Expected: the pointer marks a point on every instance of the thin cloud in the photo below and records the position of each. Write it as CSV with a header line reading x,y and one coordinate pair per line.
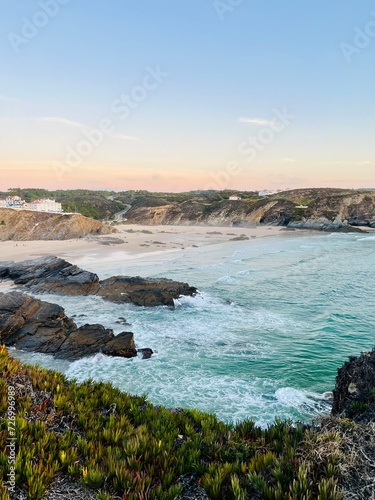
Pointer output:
x,y
289,160
82,126
62,121
366,162
263,122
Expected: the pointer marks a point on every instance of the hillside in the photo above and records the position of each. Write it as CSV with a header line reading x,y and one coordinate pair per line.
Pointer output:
x,y
326,209
27,225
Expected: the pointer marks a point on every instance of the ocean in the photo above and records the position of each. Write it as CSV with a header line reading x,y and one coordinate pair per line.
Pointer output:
x,y
274,320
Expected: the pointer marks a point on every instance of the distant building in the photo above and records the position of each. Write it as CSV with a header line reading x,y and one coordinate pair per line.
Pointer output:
x,y
234,197
45,206
14,202
266,192
3,203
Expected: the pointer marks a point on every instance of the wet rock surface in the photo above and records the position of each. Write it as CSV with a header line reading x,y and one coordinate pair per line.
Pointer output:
x,y
54,275
33,325
145,353
323,224
143,292
50,274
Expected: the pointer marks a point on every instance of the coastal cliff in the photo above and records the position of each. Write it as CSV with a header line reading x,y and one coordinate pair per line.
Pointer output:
x,y
25,225
326,209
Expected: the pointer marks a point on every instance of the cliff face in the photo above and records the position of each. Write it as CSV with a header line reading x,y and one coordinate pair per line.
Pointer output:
x,y
27,225
326,209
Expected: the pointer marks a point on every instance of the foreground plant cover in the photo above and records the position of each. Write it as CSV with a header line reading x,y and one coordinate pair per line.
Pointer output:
x,y
116,446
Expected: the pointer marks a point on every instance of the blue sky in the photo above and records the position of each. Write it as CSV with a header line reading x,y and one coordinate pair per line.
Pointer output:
x,y
230,68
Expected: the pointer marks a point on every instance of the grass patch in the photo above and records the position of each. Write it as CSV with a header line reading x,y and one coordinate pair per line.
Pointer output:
x,y
122,446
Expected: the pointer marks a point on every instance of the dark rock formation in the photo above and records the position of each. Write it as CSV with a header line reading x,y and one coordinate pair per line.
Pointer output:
x,y
143,292
242,237
85,341
121,345
51,274
354,394
34,325
323,224
145,353
362,222
54,275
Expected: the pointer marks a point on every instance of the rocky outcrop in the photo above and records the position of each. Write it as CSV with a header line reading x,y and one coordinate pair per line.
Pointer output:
x,y
323,224
143,292
33,325
354,393
25,225
55,275
50,274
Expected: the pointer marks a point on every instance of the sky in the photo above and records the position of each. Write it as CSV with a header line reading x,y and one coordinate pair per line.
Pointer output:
x,y
171,95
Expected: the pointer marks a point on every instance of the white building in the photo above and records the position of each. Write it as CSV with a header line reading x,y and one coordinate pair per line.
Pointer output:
x,y
3,203
14,202
234,197
45,206
266,192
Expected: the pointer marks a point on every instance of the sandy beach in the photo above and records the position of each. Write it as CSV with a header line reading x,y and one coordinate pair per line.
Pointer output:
x,y
132,241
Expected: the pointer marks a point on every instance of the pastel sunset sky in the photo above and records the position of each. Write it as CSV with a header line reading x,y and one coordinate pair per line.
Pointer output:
x,y
171,95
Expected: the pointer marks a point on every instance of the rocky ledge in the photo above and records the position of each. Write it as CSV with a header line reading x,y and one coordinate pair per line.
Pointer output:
x,y
33,325
323,224
354,393
54,275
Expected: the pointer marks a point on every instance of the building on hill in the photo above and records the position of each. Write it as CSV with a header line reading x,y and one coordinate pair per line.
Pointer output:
x,y
45,206
234,197
268,192
14,202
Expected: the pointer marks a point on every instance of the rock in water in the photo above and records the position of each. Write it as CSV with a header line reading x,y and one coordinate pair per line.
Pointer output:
x,y
143,291
121,345
54,275
33,325
51,274
354,394
145,353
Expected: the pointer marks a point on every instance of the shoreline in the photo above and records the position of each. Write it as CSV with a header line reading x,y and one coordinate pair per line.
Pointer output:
x,y
132,241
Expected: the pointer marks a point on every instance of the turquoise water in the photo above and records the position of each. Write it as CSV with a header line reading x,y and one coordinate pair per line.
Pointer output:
x,y
274,320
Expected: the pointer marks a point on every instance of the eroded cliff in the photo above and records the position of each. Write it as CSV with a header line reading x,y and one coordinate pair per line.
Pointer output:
x,y
25,225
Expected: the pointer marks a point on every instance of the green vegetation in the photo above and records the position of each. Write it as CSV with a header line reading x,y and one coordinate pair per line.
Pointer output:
x,y
359,407
198,205
119,444
102,205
